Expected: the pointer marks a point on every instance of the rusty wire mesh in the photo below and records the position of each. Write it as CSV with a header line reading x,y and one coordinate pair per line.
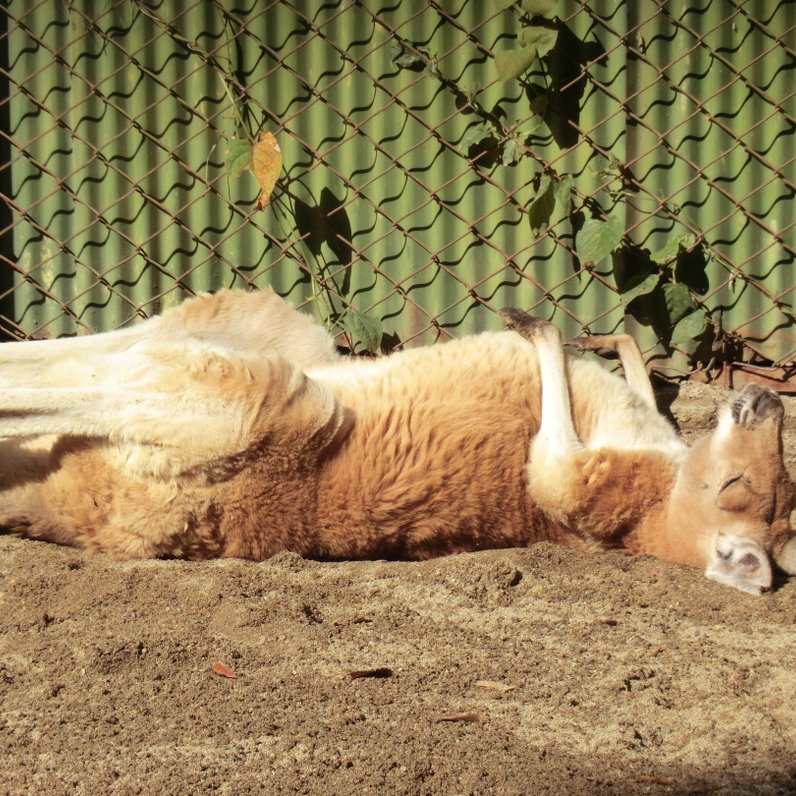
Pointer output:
x,y
419,191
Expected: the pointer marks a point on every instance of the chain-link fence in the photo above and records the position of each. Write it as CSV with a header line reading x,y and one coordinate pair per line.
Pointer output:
x,y
608,165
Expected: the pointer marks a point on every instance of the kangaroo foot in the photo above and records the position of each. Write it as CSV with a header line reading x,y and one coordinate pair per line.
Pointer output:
x,y
604,345
526,325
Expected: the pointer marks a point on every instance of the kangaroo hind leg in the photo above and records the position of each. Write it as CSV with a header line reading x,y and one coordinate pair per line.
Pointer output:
x,y
180,410
232,323
141,467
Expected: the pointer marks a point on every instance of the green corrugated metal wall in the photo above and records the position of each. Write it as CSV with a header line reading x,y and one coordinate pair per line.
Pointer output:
x,y
117,114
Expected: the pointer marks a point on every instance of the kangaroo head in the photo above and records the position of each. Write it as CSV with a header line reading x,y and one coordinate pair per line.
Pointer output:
x,y
736,496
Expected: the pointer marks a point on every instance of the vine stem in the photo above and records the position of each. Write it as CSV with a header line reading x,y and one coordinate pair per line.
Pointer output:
x,y
241,122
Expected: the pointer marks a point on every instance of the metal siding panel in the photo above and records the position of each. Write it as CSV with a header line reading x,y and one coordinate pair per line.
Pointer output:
x,y
713,128
148,209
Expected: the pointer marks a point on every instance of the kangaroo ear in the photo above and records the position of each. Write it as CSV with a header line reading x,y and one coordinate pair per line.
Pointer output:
x,y
785,559
741,563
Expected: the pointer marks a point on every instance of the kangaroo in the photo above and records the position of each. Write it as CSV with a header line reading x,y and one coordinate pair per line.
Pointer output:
x,y
229,426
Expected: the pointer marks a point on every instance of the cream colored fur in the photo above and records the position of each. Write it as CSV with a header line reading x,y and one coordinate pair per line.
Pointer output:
x,y
230,427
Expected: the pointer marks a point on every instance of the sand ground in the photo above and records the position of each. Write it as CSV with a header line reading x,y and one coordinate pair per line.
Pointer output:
x,y
505,672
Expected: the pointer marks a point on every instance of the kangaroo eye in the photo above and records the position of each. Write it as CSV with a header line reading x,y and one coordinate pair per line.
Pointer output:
x,y
729,482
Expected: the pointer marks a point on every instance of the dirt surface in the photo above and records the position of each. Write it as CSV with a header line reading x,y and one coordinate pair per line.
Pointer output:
x,y
508,672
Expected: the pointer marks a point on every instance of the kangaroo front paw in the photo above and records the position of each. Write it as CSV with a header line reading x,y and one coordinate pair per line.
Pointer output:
x,y
595,470
755,403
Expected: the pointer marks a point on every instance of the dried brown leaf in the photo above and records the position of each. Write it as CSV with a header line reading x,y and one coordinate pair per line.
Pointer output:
x,y
471,718
266,165
223,671
378,673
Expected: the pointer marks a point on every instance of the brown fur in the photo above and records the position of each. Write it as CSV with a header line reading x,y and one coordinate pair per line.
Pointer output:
x,y
227,427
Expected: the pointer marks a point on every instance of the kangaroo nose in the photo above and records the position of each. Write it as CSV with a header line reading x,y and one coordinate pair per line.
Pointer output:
x,y
741,563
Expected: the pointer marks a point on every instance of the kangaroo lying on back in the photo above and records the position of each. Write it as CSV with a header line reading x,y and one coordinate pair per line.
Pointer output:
x,y
230,427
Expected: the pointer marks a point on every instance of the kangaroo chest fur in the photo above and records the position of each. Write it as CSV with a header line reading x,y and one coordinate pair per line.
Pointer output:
x,y
435,457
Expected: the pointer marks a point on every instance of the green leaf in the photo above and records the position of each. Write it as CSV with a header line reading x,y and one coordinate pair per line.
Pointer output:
x,y
542,206
563,191
598,239
475,134
673,247
364,330
513,150
502,5
689,327
544,39
538,7
511,64
640,288
678,300
537,41
238,156
406,59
